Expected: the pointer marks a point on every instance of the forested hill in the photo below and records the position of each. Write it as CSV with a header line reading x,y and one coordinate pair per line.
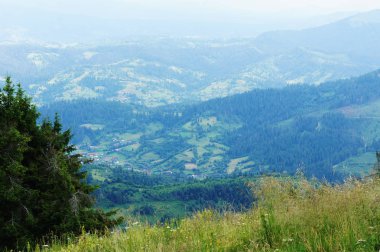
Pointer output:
x,y
283,103
322,130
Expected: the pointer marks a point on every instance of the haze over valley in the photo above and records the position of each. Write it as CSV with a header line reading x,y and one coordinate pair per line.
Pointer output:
x,y
162,71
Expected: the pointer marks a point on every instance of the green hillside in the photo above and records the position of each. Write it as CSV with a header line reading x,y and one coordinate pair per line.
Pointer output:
x,y
155,198
290,215
319,130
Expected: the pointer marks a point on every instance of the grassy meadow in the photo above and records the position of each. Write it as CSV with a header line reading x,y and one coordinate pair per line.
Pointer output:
x,y
290,215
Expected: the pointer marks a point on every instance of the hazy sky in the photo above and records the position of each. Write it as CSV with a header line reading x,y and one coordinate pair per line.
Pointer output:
x,y
160,8
182,17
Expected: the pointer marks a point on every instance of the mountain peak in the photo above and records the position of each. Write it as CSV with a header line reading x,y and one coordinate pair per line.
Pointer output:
x,y
365,18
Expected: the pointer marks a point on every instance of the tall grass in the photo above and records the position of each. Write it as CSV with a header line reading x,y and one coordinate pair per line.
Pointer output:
x,y
290,215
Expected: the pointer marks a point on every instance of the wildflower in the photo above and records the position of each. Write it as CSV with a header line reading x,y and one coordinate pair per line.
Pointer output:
x,y
287,240
135,223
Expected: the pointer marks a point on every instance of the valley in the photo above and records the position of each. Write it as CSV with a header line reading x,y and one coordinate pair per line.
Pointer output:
x,y
264,142
316,129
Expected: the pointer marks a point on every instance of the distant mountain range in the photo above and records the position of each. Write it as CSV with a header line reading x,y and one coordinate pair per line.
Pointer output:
x,y
155,72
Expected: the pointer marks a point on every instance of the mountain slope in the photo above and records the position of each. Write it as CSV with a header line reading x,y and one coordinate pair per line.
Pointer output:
x,y
288,216
314,128
357,35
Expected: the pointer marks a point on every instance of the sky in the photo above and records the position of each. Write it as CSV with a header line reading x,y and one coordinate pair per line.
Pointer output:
x,y
176,8
171,17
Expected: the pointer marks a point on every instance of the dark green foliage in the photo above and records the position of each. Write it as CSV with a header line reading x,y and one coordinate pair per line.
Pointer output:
x,y
42,187
157,195
376,168
309,143
144,210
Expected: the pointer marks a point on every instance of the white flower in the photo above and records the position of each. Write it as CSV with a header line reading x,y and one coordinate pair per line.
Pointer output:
x,y
360,241
287,240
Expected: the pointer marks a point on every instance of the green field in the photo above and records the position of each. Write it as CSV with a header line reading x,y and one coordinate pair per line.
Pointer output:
x,y
200,138
361,165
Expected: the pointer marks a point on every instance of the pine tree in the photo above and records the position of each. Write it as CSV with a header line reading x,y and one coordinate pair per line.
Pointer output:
x,y
376,168
42,187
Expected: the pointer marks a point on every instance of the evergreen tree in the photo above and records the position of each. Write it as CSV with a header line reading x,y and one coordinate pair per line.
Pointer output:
x,y
42,187
376,168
